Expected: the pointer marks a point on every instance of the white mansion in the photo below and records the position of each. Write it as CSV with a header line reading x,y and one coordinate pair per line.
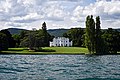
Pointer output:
x,y
61,41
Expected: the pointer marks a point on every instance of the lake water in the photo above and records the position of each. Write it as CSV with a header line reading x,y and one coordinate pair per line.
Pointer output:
x,y
59,67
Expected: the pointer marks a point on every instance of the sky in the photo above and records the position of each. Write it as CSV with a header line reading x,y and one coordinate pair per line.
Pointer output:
x,y
29,14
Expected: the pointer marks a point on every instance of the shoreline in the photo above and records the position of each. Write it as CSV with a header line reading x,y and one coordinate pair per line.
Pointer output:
x,y
45,53
53,51
40,53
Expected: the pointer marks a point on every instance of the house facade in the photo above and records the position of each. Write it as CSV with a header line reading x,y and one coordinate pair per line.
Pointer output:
x,y
61,42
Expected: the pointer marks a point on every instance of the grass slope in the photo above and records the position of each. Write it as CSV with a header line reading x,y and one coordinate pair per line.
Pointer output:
x,y
58,50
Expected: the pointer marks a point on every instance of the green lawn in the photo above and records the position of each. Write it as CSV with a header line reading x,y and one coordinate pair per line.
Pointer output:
x,y
17,49
68,49
49,50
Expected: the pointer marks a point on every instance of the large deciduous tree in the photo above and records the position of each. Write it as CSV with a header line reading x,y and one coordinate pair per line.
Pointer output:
x,y
112,39
36,39
3,42
76,35
11,41
16,37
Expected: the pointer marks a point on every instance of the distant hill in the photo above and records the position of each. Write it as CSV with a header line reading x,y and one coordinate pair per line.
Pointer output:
x,y
57,32
15,30
118,29
54,32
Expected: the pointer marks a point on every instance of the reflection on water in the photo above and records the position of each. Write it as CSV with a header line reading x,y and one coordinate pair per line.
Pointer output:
x,y
59,67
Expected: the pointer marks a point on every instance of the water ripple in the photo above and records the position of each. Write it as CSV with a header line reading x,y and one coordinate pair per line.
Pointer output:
x,y
59,67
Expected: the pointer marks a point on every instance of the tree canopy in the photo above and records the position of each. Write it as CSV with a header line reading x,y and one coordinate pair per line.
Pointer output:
x,y
11,41
3,42
90,34
35,39
76,35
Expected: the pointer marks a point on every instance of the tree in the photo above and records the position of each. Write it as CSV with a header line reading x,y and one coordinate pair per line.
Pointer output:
x,y
90,34
23,34
24,42
31,40
100,45
16,37
111,38
76,35
44,27
11,41
45,35
98,35
35,39
3,42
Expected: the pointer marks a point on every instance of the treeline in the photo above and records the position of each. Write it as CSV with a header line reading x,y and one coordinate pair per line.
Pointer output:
x,y
97,41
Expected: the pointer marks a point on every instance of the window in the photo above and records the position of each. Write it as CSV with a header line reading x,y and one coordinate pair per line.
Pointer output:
x,y
66,45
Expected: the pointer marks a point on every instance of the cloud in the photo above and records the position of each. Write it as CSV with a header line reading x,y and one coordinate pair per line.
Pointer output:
x,y
31,17
14,24
106,9
67,0
67,13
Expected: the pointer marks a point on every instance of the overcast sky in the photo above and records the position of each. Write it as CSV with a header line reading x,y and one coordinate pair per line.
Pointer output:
x,y
28,14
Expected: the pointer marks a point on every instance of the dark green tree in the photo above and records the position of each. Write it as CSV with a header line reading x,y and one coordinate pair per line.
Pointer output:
x,y
90,34
100,45
24,42
16,37
34,41
31,38
23,34
3,42
44,28
45,35
112,38
76,35
11,41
